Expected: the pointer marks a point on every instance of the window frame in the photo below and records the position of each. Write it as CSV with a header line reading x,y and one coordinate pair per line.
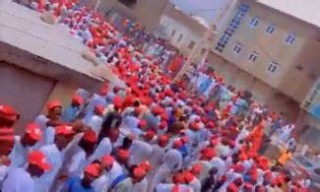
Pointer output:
x,y
254,22
253,56
291,38
273,67
237,48
270,29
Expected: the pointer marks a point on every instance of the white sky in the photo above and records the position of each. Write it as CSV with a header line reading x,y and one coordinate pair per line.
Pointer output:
x,y
197,6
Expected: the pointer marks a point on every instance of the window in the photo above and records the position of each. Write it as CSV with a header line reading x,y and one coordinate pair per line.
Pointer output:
x,y
237,48
173,33
270,29
191,45
254,22
253,56
180,38
273,67
290,38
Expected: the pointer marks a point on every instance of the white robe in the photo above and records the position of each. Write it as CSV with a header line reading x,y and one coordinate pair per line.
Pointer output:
x,y
142,186
104,148
18,180
140,151
95,122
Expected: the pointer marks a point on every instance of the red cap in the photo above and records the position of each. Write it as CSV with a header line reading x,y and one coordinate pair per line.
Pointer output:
x,y
163,140
208,153
232,188
6,134
39,159
178,178
123,154
142,123
77,99
149,135
34,131
178,144
157,110
188,176
99,109
53,104
185,139
117,101
146,166
139,172
107,160
163,125
196,169
238,168
7,110
93,170
90,136
248,186
211,125
64,130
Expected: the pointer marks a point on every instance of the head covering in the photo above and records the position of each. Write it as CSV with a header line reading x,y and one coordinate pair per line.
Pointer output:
x,y
117,101
77,99
163,140
208,153
64,130
99,109
146,165
90,136
39,159
34,131
163,125
196,169
123,154
93,169
149,135
142,123
139,172
178,178
188,176
53,104
107,160
8,112
178,144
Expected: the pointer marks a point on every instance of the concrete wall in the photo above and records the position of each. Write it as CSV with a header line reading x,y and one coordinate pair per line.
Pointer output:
x,y
146,12
25,91
262,92
272,47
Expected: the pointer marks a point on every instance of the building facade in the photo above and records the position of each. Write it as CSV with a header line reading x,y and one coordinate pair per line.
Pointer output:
x,y
267,48
184,31
146,13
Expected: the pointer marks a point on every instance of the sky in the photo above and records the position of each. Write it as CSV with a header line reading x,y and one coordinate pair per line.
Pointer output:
x,y
201,7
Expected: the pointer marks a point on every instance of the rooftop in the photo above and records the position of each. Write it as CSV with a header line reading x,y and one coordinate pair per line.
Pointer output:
x,y
305,10
23,30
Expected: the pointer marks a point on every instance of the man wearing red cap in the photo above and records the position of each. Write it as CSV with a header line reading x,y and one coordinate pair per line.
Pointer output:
x,y
136,175
112,172
78,184
72,112
23,180
55,154
84,150
156,158
22,146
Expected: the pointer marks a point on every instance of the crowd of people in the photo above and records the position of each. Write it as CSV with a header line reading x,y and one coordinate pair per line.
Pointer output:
x,y
153,135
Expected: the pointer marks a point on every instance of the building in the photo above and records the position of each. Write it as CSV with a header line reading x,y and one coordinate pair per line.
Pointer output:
x,y
184,31
40,62
271,48
146,13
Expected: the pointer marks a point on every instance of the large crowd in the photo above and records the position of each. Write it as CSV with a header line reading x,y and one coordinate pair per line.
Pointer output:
x,y
153,135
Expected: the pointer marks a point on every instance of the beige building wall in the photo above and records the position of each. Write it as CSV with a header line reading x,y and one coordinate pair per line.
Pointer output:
x,y
146,12
298,67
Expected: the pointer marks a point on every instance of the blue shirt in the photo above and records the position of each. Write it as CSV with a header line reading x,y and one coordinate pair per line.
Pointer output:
x,y
74,185
70,113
